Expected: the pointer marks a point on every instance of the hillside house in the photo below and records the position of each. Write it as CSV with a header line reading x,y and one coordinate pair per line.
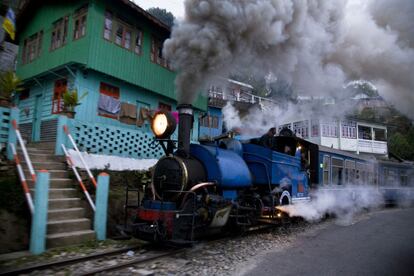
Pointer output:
x,y
111,51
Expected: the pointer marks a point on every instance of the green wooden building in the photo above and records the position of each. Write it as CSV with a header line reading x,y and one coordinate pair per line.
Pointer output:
x,y
109,50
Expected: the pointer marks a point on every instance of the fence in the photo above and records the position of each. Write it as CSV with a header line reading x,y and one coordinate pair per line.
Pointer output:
x,y
4,125
105,139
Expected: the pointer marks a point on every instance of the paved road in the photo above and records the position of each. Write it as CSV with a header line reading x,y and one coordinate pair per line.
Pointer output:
x,y
380,244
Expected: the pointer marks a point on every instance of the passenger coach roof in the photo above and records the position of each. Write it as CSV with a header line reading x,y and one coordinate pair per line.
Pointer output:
x,y
347,154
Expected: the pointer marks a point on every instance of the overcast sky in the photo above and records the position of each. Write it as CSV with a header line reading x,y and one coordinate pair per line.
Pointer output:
x,y
176,7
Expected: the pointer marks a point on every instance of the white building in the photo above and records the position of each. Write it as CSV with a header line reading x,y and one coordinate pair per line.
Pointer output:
x,y
347,135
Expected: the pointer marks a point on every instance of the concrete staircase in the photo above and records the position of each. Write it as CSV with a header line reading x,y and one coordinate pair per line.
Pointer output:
x,y
67,221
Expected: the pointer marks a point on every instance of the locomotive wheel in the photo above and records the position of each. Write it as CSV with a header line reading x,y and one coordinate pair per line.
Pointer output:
x,y
285,199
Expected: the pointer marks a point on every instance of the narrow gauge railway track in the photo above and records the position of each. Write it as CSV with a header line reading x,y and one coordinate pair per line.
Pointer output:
x,y
148,256
61,264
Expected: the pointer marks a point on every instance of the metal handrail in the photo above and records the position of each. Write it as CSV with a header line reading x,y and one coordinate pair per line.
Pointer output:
x,y
22,179
65,128
23,147
75,171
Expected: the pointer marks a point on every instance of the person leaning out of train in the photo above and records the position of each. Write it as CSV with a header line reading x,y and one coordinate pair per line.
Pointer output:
x,y
267,138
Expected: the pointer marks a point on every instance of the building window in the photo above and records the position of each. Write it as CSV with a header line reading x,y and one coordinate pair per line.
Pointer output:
x,y
32,47
301,129
109,104
138,42
164,106
380,134
58,90
123,36
364,132
59,33
156,52
79,19
288,126
209,121
330,128
348,129
108,25
24,94
315,128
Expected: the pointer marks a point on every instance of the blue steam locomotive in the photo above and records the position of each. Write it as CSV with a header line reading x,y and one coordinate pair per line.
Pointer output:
x,y
225,185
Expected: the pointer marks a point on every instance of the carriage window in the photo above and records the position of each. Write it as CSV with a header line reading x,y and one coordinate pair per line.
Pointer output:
x,y
349,171
403,178
326,169
337,170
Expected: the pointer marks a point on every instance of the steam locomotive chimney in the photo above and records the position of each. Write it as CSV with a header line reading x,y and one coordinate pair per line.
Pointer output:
x,y
185,112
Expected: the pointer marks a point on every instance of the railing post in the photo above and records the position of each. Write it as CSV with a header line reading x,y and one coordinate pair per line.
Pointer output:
x,y
61,136
39,220
14,115
101,203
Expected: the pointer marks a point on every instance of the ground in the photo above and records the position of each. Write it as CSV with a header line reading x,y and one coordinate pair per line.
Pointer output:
x,y
378,243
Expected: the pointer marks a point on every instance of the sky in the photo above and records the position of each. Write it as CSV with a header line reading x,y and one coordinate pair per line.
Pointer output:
x,y
176,7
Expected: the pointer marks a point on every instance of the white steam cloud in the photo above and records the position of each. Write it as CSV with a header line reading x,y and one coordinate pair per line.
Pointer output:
x,y
344,203
316,45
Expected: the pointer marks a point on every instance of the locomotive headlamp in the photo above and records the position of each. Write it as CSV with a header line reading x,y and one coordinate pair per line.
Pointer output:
x,y
163,124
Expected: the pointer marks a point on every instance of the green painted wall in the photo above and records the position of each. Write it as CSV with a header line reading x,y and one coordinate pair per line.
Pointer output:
x,y
74,51
96,53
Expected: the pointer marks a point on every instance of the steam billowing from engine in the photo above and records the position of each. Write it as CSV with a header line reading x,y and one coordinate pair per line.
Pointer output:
x,y
316,45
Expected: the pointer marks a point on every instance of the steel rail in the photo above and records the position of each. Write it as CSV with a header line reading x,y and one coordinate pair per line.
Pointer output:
x,y
138,260
66,262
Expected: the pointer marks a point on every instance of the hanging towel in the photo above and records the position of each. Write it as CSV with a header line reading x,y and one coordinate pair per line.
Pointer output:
x,y
128,114
108,105
144,114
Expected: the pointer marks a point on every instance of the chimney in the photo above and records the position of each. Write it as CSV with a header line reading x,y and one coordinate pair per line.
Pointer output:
x,y
185,113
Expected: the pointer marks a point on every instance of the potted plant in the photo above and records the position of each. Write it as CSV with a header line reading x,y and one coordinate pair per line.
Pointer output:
x,y
9,84
70,101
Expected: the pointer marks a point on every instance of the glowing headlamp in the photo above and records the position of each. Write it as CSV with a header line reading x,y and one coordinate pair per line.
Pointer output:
x,y
163,124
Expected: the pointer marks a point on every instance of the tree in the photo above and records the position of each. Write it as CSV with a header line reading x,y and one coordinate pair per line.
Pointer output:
x,y
163,15
9,84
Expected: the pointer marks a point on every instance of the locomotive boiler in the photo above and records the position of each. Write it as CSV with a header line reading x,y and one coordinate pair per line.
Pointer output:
x,y
200,188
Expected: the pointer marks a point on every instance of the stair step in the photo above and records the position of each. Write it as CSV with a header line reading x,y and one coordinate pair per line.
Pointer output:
x,y
68,225
37,151
68,213
56,183
42,157
42,145
60,193
69,238
59,203
57,174
46,165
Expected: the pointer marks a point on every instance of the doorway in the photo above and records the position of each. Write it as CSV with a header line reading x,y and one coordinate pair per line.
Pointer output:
x,y
37,118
